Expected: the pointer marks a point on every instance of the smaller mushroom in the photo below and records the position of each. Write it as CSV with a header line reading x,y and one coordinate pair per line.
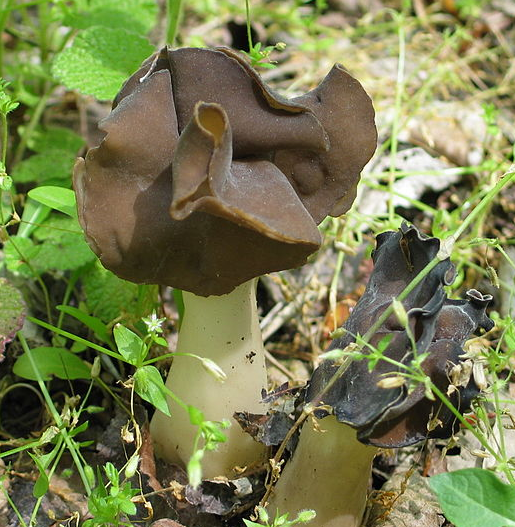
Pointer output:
x,y
331,467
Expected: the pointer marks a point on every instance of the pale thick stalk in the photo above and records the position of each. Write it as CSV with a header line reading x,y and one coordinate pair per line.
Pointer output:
x,y
329,472
226,330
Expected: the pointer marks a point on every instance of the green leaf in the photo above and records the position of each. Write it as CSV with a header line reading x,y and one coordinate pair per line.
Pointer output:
x,y
305,516
125,504
149,385
42,483
90,475
7,102
100,60
108,297
53,167
58,198
63,247
17,253
129,345
138,16
112,474
212,433
79,429
51,361
55,138
12,312
34,213
95,324
196,416
475,497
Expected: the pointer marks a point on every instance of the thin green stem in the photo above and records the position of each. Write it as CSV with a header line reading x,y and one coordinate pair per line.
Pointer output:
x,y
36,275
5,11
399,92
116,398
498,413
407,290
249,29
12,504
171,355
67,294
505,179
70,444
3,138
60,447
34,120
475,433
27,446
44,22
3,121
179,401
75,338
173,14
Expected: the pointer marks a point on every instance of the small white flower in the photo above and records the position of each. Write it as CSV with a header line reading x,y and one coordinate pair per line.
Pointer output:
x,y
153,323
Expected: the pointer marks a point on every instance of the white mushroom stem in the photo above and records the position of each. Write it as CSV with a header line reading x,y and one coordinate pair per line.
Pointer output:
x,y
329,472
226,330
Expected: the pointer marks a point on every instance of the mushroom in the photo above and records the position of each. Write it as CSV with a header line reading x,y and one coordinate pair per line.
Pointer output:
x,y
200,184
331,467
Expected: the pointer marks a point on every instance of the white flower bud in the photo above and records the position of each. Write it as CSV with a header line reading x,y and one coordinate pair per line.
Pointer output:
x,y
213,369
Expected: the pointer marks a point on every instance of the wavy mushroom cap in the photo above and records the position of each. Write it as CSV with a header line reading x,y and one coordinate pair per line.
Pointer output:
x,y
186,190
395,417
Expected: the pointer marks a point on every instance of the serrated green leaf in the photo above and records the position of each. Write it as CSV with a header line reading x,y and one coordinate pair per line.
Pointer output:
x,y
58,198
55,138
131,347
138,16
475,497
53,167
149,385
51,361
18,253
63,246
108,296
100,60
12,312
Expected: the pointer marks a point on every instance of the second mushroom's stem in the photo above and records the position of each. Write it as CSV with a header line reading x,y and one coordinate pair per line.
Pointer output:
x,y
226,330
329,472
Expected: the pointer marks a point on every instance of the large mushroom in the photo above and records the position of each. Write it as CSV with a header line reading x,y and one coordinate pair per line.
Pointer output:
x,y
330,469
205,180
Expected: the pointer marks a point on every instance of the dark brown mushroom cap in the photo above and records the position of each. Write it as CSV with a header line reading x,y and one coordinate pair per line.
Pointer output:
x,y
184,191
392,417
326,181
408,422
